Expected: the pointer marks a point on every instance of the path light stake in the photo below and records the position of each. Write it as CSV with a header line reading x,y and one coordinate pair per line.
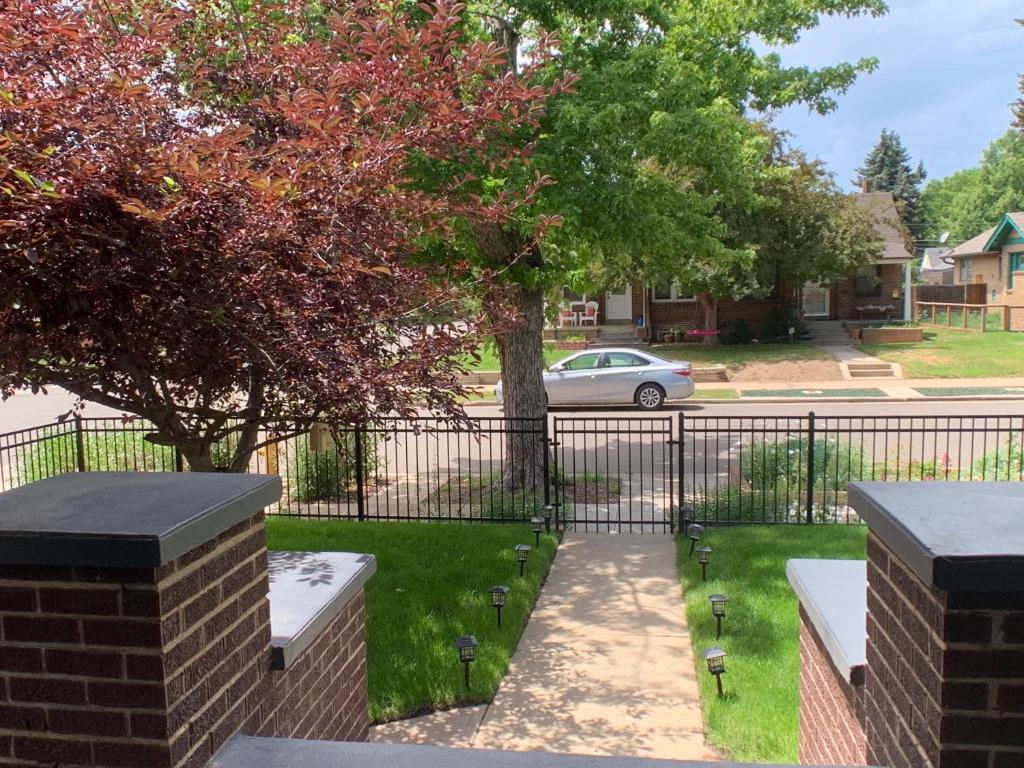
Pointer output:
x,y
694,531
718,610
703,557
549,511
467,648
715,658
522,553
498,595
538,528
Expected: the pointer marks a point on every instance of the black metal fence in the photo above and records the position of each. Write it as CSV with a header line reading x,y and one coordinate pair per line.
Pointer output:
x,y
796,469
599,473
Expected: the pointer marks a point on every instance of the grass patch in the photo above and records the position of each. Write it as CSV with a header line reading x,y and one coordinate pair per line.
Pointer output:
x,y
489,357
757,720
735,356
431,586
716,394
948,354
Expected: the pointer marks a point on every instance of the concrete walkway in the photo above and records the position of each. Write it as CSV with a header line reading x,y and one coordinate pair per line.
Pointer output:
x,y
604,666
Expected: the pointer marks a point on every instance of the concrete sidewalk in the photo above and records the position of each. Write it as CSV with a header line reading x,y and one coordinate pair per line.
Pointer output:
x,y
899,389
604,667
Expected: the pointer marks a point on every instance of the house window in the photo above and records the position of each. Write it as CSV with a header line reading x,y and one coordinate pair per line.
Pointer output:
x,y
571,296
965,270
867,284
672,292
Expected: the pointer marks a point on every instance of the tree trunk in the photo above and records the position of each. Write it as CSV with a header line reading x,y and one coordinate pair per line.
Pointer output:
x,y
521,353
709,307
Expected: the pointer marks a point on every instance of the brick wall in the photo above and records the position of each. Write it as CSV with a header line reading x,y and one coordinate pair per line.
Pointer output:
x,y
945,676
831,707
666,315
322,694
159,667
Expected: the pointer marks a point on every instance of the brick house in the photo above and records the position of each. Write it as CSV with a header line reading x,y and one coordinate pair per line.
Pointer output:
x,y
877,290
995,258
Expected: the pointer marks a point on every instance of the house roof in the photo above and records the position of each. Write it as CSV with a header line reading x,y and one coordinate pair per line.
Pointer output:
x,y
972,247
882,208
991,240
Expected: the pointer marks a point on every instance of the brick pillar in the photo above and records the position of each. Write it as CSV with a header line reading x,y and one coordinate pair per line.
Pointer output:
x,y
945,649
134,616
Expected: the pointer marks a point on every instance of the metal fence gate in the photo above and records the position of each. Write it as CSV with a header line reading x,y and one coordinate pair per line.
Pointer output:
x,y
615,474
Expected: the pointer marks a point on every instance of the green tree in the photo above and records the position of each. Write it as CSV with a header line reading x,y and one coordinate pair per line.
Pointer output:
x,y
970,201
887,169
651,147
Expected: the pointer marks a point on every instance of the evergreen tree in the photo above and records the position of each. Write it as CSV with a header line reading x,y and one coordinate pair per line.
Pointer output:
x,y
887,169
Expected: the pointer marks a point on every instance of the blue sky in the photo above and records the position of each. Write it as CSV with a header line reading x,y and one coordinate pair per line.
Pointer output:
x,y
946,77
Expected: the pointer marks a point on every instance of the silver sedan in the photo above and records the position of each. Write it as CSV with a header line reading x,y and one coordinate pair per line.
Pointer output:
x,y
615,376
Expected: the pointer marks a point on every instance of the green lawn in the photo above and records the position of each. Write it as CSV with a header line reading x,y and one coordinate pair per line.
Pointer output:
x,y
731,356
735,356
716,394
956,354
431,586
757,720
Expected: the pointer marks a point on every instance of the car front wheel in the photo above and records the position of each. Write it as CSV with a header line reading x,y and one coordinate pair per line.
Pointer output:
x,y
650,397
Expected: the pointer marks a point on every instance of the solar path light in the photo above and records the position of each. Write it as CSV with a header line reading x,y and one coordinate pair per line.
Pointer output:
x,y
703,557
522,554
715,658
549,511
538,528
466,644
498,597
718,611
694,530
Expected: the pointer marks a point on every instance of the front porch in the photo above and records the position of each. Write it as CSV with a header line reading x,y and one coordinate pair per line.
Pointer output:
x,y
594,333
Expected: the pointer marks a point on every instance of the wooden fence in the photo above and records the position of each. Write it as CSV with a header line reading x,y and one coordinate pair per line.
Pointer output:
x,y
975,293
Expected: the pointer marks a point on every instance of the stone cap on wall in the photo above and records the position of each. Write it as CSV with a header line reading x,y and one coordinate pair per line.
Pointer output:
x,y
307,592
833,594
125,519
953,536
254,752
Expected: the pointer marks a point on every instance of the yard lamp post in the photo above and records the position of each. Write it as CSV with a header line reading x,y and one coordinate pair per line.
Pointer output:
x,y
466,645
538,528
498,595
522,553
718,610
694,530
703,557
549,512
715,658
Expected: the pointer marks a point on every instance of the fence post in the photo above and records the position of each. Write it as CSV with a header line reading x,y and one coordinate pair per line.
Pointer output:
x,y
554,475
179,460
546,462
360,489
810,467
681,465
79,444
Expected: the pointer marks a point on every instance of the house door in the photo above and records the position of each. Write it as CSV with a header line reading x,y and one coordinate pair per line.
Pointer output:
x,y
816,300
618,304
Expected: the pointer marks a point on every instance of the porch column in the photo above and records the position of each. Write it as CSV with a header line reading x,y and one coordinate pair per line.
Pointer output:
x,y
908,268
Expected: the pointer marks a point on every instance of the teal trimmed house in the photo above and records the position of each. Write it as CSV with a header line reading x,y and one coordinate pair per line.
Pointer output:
x,y
995,258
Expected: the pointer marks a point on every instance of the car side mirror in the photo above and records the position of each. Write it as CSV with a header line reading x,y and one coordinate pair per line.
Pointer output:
x,y
555,368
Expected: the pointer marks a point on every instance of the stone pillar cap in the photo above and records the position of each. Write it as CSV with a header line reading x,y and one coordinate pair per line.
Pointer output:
x,y
125,519
954,536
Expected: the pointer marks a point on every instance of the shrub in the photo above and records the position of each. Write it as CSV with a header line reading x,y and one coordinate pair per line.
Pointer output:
x,y
331,474
120,450
766,465
739,333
